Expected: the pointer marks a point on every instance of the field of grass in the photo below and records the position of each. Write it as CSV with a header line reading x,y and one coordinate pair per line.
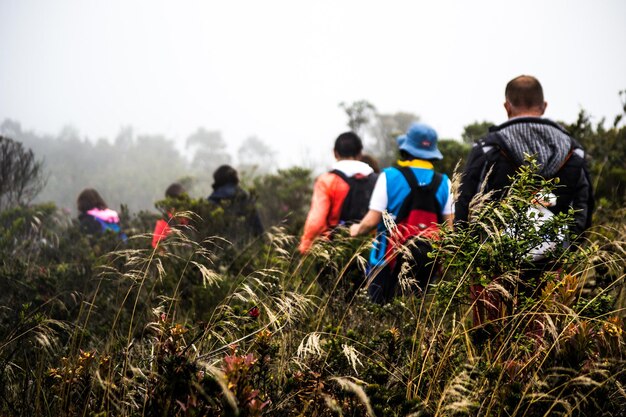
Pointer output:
x,y
208,326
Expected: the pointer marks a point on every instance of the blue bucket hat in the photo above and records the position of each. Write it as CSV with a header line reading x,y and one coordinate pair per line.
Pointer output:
x,y
420,141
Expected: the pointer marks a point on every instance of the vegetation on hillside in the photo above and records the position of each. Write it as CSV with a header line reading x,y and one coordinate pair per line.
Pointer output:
x,y
216,322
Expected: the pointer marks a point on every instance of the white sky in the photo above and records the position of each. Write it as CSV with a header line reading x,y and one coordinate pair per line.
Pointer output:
x,y
278,69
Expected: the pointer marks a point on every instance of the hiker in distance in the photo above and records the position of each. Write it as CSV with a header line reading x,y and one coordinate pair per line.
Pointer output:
x,y
237,204
163,226
340,196
527,132
419,200
95,217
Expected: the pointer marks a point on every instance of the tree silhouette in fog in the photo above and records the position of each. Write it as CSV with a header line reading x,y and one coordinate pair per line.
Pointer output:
x,y
21,175
209,150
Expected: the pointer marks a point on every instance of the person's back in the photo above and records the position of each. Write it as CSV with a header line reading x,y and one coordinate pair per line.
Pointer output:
x,y
493,163
237,203
340,196
94,216
163,227
495,159
419,200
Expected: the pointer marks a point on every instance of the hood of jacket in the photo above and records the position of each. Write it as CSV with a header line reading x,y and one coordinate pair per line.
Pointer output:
x,y
548,142
352,167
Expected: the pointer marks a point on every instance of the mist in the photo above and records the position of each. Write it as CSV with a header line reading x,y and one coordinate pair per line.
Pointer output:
x,y
134,169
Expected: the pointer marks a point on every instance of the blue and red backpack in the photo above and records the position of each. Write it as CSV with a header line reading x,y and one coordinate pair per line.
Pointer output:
x,y
419,215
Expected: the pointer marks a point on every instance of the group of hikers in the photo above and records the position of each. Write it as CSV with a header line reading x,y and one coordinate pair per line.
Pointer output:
x,y
409,202
95,217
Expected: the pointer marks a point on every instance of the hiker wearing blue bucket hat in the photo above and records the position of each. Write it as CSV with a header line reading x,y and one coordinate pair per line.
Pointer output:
x,y
417,200
420,141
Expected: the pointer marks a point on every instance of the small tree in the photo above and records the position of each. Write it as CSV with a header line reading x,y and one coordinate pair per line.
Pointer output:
x,y
606,150
255,156
503,239
385,129
360,113
209,150
21,176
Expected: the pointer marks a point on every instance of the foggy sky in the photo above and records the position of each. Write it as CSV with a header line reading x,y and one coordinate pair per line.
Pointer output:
x,y
278,69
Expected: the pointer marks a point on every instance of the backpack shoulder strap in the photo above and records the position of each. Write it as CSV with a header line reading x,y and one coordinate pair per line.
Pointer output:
x,y
342,175
575,161
430,188
573,151
409,177
434,184
493,151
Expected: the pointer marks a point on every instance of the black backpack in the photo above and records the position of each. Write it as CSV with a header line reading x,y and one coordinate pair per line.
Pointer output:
x,y
568,175
356,203
421,209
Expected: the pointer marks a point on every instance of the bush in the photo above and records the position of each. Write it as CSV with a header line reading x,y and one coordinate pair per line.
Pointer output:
x,y
21,176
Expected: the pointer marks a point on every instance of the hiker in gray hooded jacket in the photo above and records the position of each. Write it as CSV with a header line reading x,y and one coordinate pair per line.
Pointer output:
x,y
503,151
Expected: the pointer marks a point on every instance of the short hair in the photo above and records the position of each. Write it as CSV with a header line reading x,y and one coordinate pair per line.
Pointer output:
x,y
175,190
406,156
524,92
225,174
89,199
348,145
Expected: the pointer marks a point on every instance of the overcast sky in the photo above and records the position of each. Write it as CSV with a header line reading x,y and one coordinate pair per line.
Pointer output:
x,y
278,69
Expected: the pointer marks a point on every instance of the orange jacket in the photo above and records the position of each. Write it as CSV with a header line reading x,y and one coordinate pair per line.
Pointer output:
x,y
162,228
329,193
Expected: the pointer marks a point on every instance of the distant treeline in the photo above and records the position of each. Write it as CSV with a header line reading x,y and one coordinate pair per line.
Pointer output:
x,y
131,170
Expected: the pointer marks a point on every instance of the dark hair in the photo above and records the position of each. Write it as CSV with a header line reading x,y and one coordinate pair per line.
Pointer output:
x,y
405,156
371,161
175,190
348,145
225,175
524,92
89,199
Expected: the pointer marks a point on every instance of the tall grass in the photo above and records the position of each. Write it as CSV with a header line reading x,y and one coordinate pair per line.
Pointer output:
x,y
202,327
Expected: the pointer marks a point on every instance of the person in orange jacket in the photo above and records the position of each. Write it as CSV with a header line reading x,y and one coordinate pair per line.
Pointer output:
x,y
163,227
331,189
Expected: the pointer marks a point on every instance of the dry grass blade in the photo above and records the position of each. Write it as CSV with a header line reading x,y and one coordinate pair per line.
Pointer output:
x,y
310,345
352,355
459,396
220,378
209,276
354,386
